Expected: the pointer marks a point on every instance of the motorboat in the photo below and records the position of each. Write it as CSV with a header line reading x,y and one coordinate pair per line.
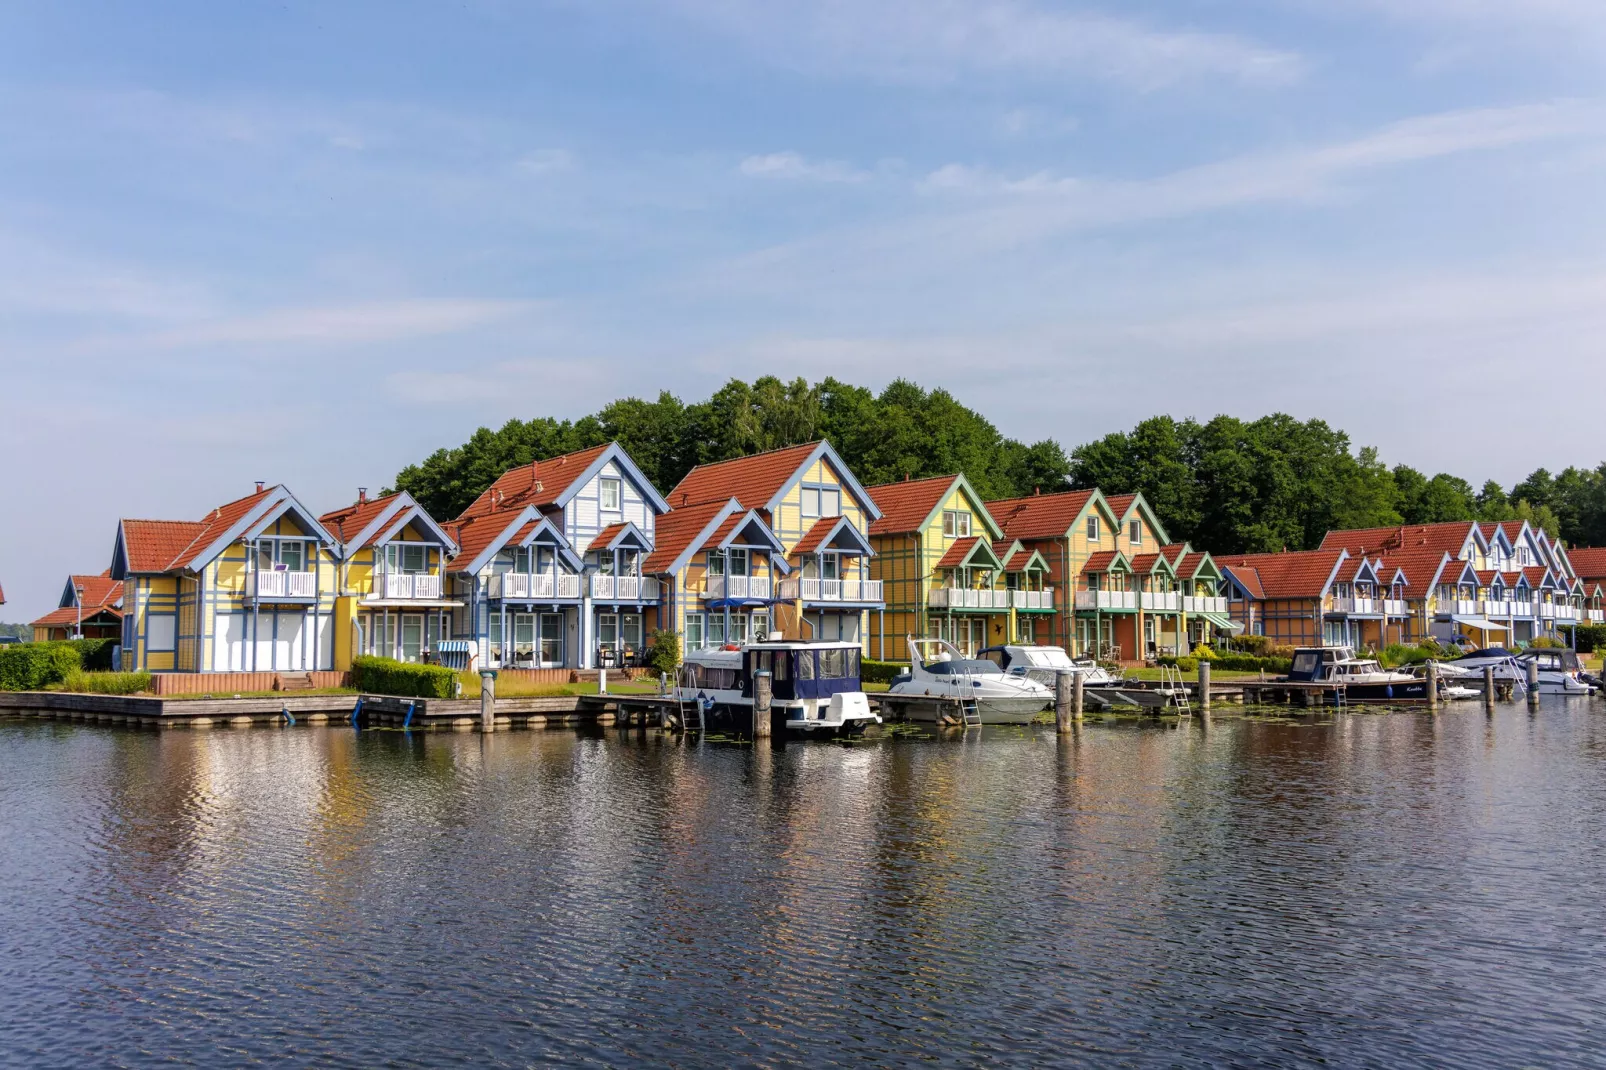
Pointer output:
x,y
1560,671
1364,679
984,692
1045,663
814,686
1454,684
1469,669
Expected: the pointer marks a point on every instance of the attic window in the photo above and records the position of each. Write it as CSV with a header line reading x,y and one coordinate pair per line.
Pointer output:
x,y
1135,533
1092,529
956,524
610,495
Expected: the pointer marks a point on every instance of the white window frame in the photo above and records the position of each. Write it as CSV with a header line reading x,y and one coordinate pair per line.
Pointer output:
x,y
1093,529
1134,532
611,486
809,501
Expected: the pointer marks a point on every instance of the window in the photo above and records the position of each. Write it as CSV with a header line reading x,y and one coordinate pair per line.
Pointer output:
x,y
1092,529
608,629
738,561
161,632
821,501
522,558
760,626
956,524
413,557
833,664
716,630
523,634
610,495
412,638
694,631
830,567
805,664
1135,533
716,563
630,630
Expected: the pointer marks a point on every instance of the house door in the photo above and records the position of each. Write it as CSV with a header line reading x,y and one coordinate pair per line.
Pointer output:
x,y
551,640
523,638
412,637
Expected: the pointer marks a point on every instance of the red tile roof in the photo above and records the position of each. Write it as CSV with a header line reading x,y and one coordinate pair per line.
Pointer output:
x,y
100,595
475,534
1041,516
608,534
153,545
346,524
957,553
678,529
1120,503
1420,568
1101,561
1299,574
1588,561
752,481
816,535
1447,536
539,483
905,506
213,526
1145,563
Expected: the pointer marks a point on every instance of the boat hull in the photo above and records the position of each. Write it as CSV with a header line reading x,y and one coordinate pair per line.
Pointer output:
x,y
938,709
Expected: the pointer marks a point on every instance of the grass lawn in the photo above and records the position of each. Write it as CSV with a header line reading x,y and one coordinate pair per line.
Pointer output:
x,y
260,694
1216,675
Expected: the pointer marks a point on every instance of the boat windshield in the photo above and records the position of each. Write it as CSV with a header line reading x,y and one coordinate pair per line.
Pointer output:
x,y
1047,658
1358,668
963,667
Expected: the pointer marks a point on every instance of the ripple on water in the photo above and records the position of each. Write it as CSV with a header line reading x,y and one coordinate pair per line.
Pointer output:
x,y
1394,890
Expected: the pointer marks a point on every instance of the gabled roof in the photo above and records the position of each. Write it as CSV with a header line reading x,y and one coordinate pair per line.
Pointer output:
x,y
1149,564
1188,563
101,594
1458,572
371,523
1045,516
1421,568
1122,506
480,538
1298,574
1015,557
160,545
912,505
1451,536
1107,561
970,553
614,536
550,483
681,533
835,532
761,480
1589,562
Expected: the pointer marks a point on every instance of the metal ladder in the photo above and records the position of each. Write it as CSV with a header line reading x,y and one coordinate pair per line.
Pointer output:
x,y
1171,680
969,712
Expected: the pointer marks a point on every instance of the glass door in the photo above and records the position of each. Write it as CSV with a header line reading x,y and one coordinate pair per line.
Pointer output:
x,y
551,640
523,638
412,637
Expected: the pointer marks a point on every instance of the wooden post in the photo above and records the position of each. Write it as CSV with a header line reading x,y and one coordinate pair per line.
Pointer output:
x,y
1204,685
1433,686
1533,681
602,681
488,700
1077,684
1488,687
1062,699
762,692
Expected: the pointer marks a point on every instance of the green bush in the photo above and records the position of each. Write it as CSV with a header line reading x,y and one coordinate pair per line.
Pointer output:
x,y
1588,638
1251,644
35,666
664,654
1401,654
107,683
95,655
1232,663
879,672
1545,642
387,676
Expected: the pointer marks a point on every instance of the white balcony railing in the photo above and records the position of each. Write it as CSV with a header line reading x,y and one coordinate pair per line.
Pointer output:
x,y
1162,601
1395,607
1106,600
1495,609
1350,604
1597,616
284,585
811,590
1043,599
737,587
390,585
624,588
1566,612
968,598
1547,610
1204,603
541,586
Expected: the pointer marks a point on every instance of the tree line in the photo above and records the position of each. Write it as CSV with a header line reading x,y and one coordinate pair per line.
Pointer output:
x,y
1226,485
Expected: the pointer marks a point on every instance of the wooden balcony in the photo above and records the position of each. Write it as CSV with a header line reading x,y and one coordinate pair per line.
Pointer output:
x,y
544,586
1161,602
1111,601
1360,607
1043,599
406,585
737,587
1204,603
810,590
968,598
1396,607
294,586
624,588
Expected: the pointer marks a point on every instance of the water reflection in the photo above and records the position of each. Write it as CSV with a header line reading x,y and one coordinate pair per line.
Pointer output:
x,y
1354,889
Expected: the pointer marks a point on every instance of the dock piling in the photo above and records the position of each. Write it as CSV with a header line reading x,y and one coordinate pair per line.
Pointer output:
x,y
1204,686
1533,681
1488,688
1433,687
762,691
1062,700
1077,697
487,700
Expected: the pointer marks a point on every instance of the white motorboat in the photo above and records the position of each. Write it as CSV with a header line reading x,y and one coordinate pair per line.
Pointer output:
x,y
814,686
1560,671
1468,670
1364,679
937,670
1045,663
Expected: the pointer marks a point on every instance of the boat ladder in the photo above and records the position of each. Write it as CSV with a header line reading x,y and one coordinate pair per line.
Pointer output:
x,y
969,712
1171,681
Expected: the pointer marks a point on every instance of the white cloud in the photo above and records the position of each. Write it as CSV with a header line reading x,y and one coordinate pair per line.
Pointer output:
x,y
545,161
379,321
790,165
940,40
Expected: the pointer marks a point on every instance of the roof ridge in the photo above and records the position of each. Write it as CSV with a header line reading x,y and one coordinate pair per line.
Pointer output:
x,y
750,456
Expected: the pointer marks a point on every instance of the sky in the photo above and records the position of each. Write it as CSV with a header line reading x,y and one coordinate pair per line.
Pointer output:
x,y
310,243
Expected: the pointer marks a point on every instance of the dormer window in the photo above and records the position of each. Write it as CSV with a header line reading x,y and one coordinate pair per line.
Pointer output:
x,y
612,494
956,524
1135,533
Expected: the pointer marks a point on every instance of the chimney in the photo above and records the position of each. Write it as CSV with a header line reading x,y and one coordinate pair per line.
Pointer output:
x,y
1036,491
362,495
684,495
260,484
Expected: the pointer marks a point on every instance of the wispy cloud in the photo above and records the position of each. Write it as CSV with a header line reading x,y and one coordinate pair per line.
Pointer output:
x,y
790,165
940,40
381,321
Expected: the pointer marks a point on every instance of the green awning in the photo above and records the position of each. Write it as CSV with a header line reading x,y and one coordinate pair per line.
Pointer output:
x,y
1222,621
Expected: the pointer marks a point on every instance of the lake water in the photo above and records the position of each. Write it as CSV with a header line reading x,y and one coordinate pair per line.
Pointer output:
x,y
1384,890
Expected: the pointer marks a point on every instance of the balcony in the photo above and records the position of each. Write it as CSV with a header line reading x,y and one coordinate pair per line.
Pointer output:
x,y
1107,600
810,590
1162,601
1596,616
544,586
737,587
1567,613
283,585
411,585
1204,603
1043,599
1547,610
1496,610
968,598
1395,607
1460,607
624,588
1360,607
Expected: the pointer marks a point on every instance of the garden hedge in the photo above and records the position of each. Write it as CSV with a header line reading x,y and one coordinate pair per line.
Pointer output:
x,y
879,672
1232,663
386,676
35,666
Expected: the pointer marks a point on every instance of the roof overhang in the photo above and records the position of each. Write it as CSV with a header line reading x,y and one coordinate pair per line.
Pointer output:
x,y
630,537
614,453
823,451
844,536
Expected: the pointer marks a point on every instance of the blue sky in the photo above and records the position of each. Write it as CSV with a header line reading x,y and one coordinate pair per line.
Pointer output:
x,y
309,243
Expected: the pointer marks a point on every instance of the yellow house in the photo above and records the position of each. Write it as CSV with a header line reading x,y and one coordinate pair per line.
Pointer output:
x,y
937,555
1067,530
719,568
252,587
821,515
391,599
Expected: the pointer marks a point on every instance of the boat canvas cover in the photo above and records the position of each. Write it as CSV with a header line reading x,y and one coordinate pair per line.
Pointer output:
x,y
1480,623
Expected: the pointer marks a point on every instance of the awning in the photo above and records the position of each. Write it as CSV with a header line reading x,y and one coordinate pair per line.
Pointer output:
x,y
1480,623
409,603
1222,621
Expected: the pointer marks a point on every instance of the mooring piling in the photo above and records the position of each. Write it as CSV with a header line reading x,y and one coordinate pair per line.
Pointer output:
x,y
1433,686
762,699
487,700
1204,686
1062,700
1488,688
1077,696
1533,681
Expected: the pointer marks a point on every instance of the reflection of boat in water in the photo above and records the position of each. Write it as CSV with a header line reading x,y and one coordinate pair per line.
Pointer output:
x,y
979,685
814,686
1045,663
1364,679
